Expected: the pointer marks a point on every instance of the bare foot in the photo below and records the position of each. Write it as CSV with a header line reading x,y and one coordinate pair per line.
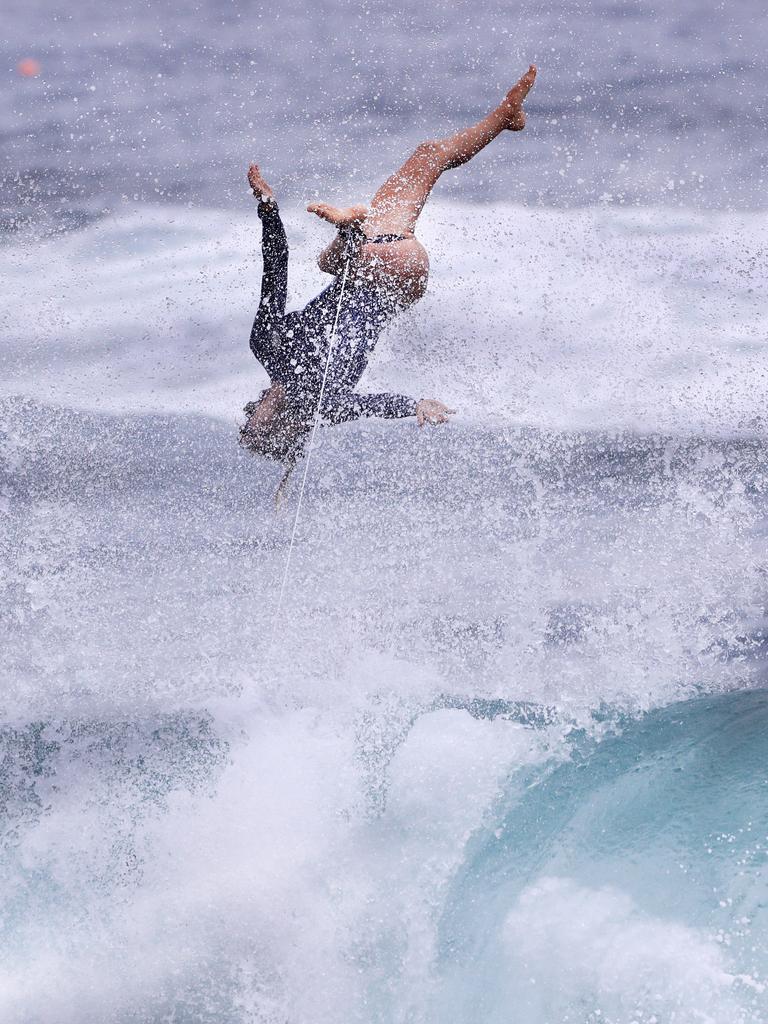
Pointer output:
x,y
259,187
513,102
339,217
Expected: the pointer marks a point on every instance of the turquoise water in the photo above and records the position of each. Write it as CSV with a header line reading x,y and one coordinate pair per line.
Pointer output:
x,y
655,835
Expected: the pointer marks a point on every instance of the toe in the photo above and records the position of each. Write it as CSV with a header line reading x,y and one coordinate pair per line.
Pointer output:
x,y
319,209
528,79
524,86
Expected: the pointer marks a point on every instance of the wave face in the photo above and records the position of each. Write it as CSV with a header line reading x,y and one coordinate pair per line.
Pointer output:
x,y
476,760
626,884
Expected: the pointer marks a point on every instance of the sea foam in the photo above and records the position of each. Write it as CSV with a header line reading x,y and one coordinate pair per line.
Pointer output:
x,y
607,317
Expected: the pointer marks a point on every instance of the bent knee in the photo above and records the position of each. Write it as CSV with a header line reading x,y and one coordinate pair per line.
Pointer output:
x,y
327,263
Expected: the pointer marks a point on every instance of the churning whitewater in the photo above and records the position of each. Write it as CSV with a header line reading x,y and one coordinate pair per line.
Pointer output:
x,y
500,755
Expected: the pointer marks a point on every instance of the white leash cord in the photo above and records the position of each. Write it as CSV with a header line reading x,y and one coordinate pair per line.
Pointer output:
x,y
331,343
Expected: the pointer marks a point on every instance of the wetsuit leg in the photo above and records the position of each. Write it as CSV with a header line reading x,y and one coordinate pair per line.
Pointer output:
x,y
267,330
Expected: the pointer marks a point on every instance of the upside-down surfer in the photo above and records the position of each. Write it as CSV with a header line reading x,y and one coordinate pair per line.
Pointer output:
x,y
379,268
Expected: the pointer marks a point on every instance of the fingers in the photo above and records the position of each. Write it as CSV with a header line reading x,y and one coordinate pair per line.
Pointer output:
x,y
430,410
259,187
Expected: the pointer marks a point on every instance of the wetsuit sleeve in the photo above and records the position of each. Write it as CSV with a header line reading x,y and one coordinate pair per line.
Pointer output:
x,y
342,406
274,251
266,335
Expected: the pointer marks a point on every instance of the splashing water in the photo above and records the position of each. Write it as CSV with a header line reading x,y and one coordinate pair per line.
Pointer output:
x,y
505,761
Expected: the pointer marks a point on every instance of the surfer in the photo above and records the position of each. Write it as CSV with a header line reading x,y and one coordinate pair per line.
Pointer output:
x,y
379,268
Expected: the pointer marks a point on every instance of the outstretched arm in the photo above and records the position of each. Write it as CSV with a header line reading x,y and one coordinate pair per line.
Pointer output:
x,y
343,406
274,248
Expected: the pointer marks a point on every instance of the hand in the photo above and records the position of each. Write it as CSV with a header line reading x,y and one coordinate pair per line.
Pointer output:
x,y
429,410
259,187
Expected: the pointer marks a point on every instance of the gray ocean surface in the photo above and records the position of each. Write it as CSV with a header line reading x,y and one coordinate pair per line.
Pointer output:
x,y
637,102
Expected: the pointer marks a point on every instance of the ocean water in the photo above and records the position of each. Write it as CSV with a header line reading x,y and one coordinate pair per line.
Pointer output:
x,y
500,754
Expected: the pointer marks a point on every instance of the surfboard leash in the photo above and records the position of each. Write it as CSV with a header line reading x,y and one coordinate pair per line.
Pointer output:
x,y
315,422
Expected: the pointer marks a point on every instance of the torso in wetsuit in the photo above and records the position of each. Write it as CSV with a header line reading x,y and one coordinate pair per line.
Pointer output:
x,y
362,316
294,347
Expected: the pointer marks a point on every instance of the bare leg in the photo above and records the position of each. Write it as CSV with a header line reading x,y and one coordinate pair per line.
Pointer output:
x,y
402,267
340,217
398,203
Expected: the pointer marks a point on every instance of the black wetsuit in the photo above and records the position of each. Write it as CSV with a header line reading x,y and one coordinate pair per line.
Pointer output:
x,y
293,347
